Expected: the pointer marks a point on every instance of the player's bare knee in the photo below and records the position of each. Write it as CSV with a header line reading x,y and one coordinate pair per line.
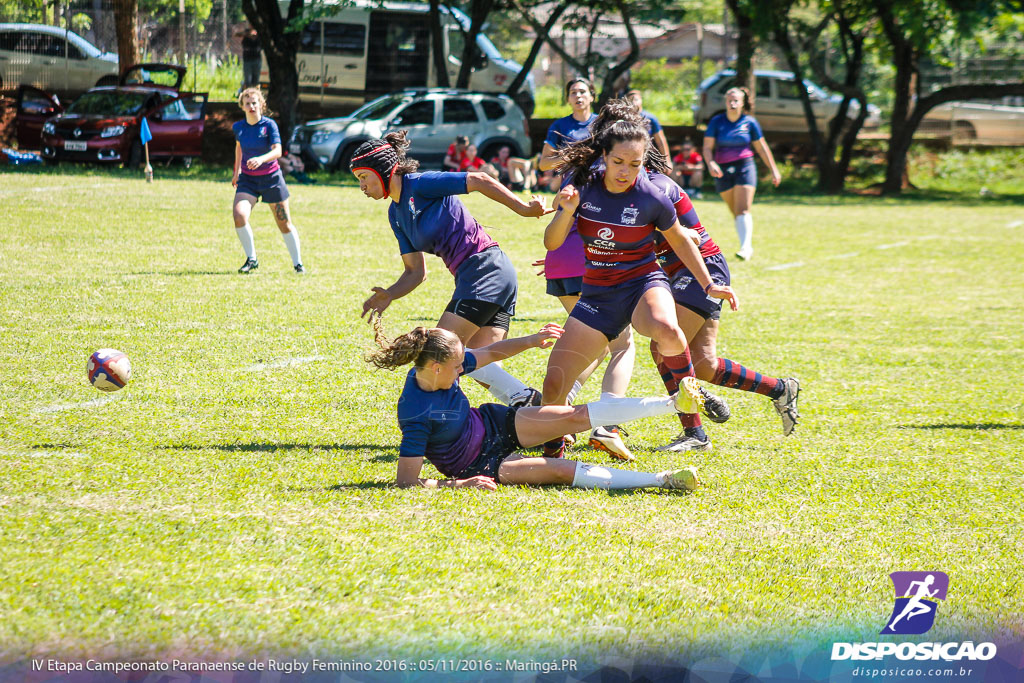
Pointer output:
x,y
554,390
703,366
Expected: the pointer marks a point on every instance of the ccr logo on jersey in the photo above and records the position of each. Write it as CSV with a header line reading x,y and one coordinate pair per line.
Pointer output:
x,y
606,233
916,601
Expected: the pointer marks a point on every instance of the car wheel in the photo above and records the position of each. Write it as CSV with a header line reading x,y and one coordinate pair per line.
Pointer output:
x,y
346,156
134,155
963,131
107,80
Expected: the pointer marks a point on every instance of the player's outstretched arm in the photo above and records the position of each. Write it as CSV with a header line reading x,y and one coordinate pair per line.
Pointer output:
x,y
409,475
510,347
492,189
412,277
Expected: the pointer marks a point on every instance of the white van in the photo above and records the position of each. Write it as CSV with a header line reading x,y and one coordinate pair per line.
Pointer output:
x,y
369,48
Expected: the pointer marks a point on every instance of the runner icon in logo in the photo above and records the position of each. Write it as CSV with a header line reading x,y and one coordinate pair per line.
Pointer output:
x,y
917,595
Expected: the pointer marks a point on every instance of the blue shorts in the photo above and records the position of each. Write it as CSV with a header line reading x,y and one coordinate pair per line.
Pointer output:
x,y
565,286
270,187
500,441
689,294
739,172
609,309
487,276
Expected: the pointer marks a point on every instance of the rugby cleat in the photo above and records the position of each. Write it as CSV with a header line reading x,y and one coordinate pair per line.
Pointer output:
x,y
249,266
607,439
299,269
690,397
685,479
785,405
715,408
690,439
745,254
526,397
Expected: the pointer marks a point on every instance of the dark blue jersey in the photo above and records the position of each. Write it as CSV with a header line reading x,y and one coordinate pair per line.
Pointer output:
x,y
567,130
256,140
733,139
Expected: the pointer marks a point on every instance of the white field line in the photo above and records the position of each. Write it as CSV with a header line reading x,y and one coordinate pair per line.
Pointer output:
x,y
852,254
52,188
894,245
283,363
96,402
1014,224
784,266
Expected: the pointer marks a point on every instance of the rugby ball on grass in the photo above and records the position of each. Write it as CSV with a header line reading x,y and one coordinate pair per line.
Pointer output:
x,y
109,370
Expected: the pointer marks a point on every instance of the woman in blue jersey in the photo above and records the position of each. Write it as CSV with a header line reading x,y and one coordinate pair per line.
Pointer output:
x,y
579,93
427,218
257,174
733,137
476,446
617,210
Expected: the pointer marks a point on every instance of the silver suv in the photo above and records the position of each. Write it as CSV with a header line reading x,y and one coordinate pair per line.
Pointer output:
x,y
778,105
52,59
434,117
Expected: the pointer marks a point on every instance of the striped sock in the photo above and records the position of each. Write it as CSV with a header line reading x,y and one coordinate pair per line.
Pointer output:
x,y
673,369
734,376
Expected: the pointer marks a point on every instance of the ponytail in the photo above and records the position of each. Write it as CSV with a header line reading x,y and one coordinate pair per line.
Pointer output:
x,y
419,347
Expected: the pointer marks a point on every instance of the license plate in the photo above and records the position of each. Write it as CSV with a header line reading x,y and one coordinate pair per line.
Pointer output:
x,y
295,148
75,145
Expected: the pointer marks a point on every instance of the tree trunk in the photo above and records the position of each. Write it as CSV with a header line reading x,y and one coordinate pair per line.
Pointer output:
x,y
280,48
478,11
538,42
436,45
745,46
614,73
125,23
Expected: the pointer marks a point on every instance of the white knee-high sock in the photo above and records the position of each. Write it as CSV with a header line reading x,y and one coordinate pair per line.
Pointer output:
x,y
574,392
291,240
745,231
614,411
245,237
502,385
597,477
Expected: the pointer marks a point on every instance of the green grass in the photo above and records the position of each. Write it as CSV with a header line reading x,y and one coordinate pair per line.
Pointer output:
x,y
235,498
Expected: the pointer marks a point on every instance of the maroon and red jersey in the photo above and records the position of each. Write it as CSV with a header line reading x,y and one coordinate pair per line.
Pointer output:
x,y
618,230
668,259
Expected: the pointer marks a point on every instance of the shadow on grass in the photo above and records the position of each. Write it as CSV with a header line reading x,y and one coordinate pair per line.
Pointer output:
x,y
181,273
352,486
277,447
985,426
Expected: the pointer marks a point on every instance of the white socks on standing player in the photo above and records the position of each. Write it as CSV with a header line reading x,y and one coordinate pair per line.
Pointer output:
x,y
245,237
502,385
745,232
614,411
597,477
291,240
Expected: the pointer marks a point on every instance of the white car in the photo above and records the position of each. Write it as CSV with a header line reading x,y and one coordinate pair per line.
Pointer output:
x,y
52,59
778,105
976,121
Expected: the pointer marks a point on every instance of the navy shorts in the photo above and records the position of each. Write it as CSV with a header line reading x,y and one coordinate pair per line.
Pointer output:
x,y
500,441
487,276
609,309
565,286
269,187
688,293
739,172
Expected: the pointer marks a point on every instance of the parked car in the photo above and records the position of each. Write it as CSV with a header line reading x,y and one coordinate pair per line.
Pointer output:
x,y
368,48
433,117
103,124
778,105
52,59
988,122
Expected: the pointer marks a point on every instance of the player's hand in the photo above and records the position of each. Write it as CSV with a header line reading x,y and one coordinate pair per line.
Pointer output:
x,y
536,208
377,303
569,198
548,335
477,482
722,292
776,177
254,163
692,235
714,169
234,180
539,263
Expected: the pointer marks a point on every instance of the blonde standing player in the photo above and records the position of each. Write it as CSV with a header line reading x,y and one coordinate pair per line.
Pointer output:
x,y
258,175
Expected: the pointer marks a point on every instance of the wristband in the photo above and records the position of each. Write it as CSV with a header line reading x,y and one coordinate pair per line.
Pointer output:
x,y
710,285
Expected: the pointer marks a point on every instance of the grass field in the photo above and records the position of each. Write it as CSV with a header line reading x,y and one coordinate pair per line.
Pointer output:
x,y
235,498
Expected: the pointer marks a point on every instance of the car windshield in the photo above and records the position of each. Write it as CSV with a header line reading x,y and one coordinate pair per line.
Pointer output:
x,y
109,103
379,109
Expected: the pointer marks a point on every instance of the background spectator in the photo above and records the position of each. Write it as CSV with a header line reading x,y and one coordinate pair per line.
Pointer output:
x,y
688,169
252,59
456,153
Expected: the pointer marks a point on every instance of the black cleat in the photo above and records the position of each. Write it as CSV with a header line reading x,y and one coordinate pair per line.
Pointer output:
x,y
249,266
299,269
715,408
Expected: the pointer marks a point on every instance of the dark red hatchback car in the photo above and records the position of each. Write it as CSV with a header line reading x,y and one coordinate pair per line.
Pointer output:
x,y
103,124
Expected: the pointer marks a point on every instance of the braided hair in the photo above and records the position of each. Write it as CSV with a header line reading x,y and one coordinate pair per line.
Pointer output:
x,y
419,347
618,121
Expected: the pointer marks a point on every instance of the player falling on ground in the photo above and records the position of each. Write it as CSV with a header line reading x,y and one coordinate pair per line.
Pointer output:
x,y
427,218
476,446
257,174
